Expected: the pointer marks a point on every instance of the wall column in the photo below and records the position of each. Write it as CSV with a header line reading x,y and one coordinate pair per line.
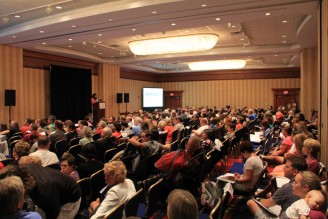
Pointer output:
x,y
11,77
323,112
108,87
309,94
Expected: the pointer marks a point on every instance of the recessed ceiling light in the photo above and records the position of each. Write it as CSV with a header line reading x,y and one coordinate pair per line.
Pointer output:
x,y
14,37
275,55
99,34
44,43
41,31
134,29
233,26
284,21
59,7
70,46
17,16
242,39
204,5
154,12
112,56
110,19
73,26
99,42
217,19
157,62
173,24
70,39
283,36
284,41
99,53
267,14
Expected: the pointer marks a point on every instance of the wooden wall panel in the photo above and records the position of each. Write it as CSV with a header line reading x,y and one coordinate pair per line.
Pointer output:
x,y
251,93
11,77
309,81
37,95
134,88
109,85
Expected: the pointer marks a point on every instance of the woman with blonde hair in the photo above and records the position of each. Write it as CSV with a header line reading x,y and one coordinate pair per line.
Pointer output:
x,y
181,205
121,189
311,149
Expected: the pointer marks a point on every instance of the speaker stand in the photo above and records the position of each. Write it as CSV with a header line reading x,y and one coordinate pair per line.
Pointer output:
x,y
9,115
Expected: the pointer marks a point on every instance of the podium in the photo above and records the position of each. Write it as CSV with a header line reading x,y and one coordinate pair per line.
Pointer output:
x,y
98,110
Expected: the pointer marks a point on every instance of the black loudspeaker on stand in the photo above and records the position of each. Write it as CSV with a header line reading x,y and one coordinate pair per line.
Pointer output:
x,y
10,100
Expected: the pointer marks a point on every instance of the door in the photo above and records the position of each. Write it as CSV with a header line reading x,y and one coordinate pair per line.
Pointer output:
x,y
173,99
286,97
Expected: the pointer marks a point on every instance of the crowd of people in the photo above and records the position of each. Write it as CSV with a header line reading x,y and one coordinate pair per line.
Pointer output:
x,y
201,133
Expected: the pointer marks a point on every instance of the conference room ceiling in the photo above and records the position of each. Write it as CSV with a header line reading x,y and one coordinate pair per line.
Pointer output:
x,y
99,30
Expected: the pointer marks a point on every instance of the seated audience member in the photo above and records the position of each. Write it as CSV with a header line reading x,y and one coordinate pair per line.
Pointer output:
x,y
22,148
311,150
33,130
168,128
117,130
230,131
147,146
240,123
26,126
265,127
42,126
34,142
55,194
12,195
203,126
136,130
51,124
181,204
80,127
286,144
126,130
91,165
297,151
104,143
59,133
120,189
47,157
67,165
304,182
71,132
87,136
252,169
29,159
283,196
313,200
176,161
14,128
101,125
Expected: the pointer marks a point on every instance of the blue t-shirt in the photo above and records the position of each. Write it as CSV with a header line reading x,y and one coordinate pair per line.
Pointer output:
x,y
23,215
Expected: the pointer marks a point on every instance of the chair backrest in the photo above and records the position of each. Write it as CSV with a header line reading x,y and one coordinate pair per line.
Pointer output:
x,y
14,138
221,206
85,191
109,154
150,163
265,165
121,147
115,213
74,141
61,147
183,142
97,182
96,136
132,204
175,134
152,198
322,172
75,149
7,161
163,138
174,145
54,166
18,134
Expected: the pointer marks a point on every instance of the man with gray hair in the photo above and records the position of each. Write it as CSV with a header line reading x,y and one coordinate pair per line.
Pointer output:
x,y
104,143
12,196
136,130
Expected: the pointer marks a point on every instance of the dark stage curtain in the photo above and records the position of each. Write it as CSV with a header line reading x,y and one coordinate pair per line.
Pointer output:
x,y
70,91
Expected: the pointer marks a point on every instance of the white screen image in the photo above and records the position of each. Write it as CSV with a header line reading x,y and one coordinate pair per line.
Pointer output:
x,y
152,97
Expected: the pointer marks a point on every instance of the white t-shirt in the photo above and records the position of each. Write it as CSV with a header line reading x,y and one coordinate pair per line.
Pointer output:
x,y
297,209
47,157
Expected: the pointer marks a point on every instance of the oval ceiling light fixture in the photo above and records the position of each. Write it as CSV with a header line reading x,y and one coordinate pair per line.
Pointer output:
x,y
217,65
175,44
